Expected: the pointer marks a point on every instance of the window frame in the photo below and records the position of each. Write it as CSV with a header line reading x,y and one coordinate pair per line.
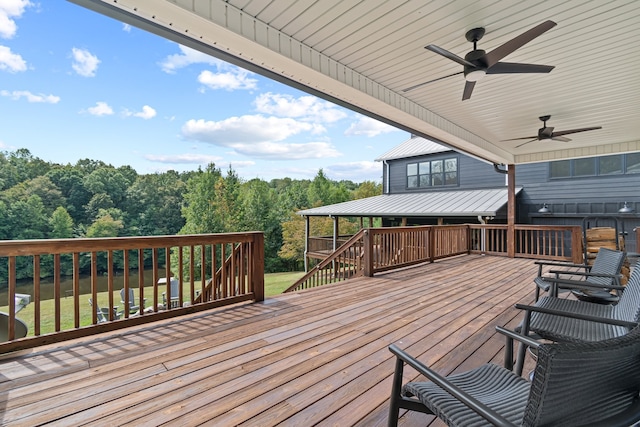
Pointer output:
x,y
441,178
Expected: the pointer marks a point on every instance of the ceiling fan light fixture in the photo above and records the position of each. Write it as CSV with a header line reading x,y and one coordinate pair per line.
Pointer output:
x,y
475,75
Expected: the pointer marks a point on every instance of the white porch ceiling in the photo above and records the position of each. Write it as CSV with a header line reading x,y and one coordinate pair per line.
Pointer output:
x,y
362,54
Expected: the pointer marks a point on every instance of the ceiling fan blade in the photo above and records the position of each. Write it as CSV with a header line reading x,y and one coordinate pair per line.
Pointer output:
x,y
509,47
525,143
514,67
519,139
430,81
560,138
468,89
451,56
567,132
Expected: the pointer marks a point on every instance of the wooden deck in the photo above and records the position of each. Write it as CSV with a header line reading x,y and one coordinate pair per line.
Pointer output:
x,y
316,357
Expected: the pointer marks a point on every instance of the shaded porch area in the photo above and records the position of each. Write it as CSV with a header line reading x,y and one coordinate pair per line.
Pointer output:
x,y
312,357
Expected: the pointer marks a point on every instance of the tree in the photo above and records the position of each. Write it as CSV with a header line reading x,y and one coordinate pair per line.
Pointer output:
x,y
367,189
70,181
104,225
199,210
153,204
61,224
109,181
261,212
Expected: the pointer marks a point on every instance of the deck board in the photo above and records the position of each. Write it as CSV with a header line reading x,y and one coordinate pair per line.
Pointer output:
x,y
315,357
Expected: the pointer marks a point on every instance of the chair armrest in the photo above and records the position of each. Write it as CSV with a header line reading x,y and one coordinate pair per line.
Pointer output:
x,y
585,274
484,411
518,337
597,319
562,264
581,284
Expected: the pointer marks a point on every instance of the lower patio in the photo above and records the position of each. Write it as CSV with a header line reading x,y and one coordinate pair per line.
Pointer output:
x,y
314,357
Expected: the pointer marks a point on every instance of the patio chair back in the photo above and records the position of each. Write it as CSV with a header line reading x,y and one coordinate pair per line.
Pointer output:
x,y
605,383
608,261
132,307
628,308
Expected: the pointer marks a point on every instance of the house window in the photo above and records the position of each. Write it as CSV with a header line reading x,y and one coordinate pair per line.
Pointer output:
x,y
610,165
561,169
432,174
584,167
596,166
633,163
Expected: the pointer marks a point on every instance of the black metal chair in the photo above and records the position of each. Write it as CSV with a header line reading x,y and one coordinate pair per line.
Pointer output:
x,y
604,271
568,320
574,384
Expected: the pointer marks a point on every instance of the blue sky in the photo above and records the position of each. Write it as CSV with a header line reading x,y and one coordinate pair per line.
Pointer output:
x,y
75,84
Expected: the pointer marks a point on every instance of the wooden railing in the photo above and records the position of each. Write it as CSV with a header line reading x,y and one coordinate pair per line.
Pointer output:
x,y
86,302
344,263
321,246
375,250
397,247
563,243
232,278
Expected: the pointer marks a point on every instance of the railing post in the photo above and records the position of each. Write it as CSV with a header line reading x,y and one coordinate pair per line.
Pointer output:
x,y
368,253
577,248
432,243
258,266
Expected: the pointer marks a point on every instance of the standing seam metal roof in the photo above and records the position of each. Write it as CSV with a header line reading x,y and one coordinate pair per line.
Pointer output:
x,y
412,147
485,202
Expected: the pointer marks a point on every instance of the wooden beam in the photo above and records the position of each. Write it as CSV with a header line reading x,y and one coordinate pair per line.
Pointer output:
x,y
511,211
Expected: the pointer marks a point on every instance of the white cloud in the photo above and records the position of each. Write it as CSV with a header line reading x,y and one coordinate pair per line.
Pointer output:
x,y
260,136
10,61
186,57
226,76
249,128
10,9
30,97
183,158
146,113
369,127
100,109
355,171
287,151
305,107
126,28
84,63
231,80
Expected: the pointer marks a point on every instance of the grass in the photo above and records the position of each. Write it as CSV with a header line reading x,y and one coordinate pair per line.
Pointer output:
x,y
274,284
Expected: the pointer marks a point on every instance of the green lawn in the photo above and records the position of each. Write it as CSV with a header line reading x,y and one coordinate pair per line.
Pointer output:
x,y
275,283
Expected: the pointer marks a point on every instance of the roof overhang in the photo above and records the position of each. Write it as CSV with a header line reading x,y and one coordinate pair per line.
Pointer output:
x,y
362,56
456,203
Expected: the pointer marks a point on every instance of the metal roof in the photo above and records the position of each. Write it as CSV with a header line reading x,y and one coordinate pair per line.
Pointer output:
x,y
414,146
485,202
365,54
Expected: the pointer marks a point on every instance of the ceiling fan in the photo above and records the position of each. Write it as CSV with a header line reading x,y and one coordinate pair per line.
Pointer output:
x,y
546,132
477,63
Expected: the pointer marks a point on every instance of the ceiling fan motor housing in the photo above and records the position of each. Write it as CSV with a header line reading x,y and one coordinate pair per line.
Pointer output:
x,y
476,57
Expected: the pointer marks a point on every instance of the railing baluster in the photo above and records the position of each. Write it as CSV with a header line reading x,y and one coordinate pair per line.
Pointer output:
x,y
56,290
76,291
36,295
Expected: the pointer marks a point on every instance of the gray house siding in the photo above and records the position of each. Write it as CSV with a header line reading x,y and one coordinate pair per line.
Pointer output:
x,y
472,174
569,199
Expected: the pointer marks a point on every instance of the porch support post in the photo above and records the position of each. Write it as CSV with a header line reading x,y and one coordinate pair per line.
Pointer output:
x,y
511,211
306,244
335,233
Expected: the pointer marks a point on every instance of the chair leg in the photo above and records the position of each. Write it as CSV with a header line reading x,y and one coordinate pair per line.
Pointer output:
x,y
537,293
396,389
521,347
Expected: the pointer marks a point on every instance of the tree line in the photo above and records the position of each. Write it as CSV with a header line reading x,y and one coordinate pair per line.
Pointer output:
x,y
44,200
